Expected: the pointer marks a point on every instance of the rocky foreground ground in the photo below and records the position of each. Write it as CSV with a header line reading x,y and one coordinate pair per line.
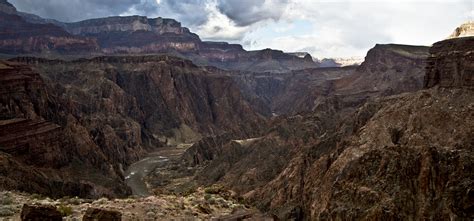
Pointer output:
x,y
204,204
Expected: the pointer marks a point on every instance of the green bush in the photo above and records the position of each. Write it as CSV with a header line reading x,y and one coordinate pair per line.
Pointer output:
x,y
6,211
65,210
214,189
6,198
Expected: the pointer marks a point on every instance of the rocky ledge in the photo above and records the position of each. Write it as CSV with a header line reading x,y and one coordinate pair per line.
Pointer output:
x,y
451,63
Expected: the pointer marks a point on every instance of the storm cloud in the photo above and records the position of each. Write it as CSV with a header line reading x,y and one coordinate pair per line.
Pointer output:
x,y
247,12
76,10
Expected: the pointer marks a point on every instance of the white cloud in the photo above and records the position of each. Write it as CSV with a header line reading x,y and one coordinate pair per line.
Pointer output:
x,y
350,28
219,27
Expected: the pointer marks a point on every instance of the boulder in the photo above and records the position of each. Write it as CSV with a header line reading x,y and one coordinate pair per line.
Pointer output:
x,y
96,214
40,213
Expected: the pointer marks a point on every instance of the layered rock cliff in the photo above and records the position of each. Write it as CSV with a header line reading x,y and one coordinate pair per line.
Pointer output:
x,y
99,115
42,151
407,156
20,36
450,63
136,34
30,34
387,70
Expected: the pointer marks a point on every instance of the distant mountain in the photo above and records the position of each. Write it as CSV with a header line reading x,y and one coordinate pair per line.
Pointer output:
x,y
465,30
340,62
387,69
32,34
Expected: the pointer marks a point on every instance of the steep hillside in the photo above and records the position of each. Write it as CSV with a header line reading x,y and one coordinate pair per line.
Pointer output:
x,y
294,92
450,63
110,111
407,156
387,70
44,152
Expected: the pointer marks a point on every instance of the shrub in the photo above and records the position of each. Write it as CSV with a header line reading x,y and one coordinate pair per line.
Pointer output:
x,y
6,198
214,189
6,211
65,210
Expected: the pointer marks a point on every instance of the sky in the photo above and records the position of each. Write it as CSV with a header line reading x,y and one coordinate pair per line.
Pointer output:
x,y
324,28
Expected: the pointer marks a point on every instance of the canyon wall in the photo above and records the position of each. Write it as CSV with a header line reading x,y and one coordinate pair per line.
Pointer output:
x,y
27,34
86,120
407,156
450,63
387,70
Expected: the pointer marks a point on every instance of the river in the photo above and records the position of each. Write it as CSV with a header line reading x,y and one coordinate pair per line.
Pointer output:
x,y
135,174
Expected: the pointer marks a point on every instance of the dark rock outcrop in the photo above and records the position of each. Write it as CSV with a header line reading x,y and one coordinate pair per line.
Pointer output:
x,y
40,213
40,147
171,98
451,63
136,34
407,156
387,70
75,126
95,214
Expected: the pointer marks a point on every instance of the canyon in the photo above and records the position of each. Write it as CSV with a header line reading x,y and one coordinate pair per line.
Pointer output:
x,y
139,115
107,123
132,35
387,158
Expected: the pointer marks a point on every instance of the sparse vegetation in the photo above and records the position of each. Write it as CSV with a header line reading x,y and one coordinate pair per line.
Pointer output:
x,y
65,210
214,189
38,196
5,198
6,210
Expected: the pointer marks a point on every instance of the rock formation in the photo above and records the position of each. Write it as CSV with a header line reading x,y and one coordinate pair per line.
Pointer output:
x,y
451,63
83,121
341,62
407,156
387,70
38,144
20,36
29,34
95,214
465,30
372,142
39,213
